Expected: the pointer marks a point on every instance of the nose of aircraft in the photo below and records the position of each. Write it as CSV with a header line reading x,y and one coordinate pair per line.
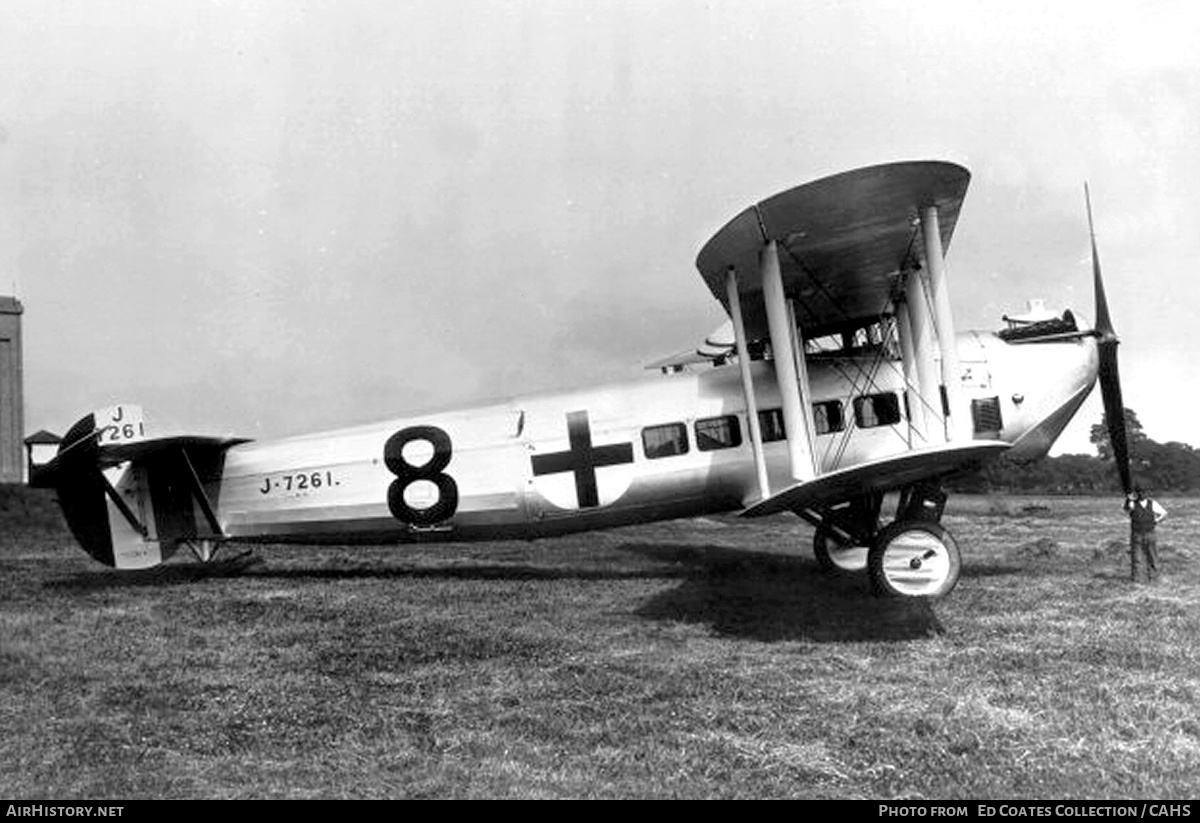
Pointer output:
x,y
1062,367
1044,384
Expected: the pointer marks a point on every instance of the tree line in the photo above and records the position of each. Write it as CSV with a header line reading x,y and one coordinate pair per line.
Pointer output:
x,y
1161,468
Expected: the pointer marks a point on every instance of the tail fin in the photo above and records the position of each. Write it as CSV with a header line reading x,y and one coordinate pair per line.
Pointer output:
x,y
130,500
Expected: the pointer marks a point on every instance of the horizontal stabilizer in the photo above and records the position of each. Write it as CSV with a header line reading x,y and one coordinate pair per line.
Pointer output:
x,y
105,457
881,475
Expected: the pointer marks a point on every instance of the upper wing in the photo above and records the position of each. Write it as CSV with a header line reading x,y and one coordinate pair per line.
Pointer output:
x,y
878,475
843,243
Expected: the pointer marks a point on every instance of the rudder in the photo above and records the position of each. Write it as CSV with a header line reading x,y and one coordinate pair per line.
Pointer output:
x,y
129,500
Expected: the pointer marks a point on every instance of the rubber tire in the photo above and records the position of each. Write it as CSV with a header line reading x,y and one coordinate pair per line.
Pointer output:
x,y
842,559
889,560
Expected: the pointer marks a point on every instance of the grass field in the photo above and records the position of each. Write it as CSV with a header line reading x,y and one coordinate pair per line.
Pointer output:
x,y
705,658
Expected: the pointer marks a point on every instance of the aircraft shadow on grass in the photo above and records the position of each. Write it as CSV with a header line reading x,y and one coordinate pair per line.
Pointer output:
x,y
770,597
737,593
169,575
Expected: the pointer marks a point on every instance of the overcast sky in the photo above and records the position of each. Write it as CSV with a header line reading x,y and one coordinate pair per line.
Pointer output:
x,y
271,217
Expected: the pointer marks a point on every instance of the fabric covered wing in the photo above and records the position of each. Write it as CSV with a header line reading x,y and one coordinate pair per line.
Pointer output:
x,y
878,475
843,242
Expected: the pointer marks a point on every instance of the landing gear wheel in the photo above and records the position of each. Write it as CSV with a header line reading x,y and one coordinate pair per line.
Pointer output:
x,y
914,559
836,558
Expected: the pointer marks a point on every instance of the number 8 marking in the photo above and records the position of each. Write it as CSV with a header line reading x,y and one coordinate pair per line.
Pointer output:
x,y
406,474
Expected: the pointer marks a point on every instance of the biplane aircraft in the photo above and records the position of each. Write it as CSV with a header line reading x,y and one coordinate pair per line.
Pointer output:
x,y
838,378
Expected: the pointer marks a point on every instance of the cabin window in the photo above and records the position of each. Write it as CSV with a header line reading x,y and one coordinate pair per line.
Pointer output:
x,y
986,414
714,433
873,410
771,423
827,417
667,440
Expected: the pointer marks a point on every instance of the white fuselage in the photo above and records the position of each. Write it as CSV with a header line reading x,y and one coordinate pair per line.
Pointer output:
x,y
668,446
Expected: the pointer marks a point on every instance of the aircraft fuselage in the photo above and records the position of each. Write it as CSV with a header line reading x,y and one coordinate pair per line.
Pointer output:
x,y
669,446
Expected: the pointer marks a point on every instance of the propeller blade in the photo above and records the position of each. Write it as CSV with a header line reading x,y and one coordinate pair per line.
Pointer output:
x,y
1103,321
1114,411
1110,376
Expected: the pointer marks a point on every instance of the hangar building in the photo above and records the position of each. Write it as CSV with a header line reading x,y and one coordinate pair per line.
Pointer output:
x,y
12,409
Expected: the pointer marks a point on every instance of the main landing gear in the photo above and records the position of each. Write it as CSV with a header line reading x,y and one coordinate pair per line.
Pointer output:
x,y
914,556
845,533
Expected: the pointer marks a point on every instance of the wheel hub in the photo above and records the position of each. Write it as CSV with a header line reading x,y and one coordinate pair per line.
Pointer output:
x,y
914,559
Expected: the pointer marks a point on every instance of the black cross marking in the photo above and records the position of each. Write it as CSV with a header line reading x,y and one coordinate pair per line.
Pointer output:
x,y
582,458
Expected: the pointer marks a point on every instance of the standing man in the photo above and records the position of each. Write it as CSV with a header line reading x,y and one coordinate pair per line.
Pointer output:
x,y
1144,515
